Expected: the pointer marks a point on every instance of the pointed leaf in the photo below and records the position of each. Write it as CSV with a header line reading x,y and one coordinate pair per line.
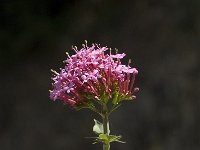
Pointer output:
x,y
114,138
104,138
98,127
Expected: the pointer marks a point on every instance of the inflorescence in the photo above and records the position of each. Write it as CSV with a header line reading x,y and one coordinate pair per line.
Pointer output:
x,y
94,74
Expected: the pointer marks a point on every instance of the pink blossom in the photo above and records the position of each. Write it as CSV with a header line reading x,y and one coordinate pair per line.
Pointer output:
x,y
92,73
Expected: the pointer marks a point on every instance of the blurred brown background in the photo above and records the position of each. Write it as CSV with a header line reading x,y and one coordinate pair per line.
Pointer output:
x,y
162,39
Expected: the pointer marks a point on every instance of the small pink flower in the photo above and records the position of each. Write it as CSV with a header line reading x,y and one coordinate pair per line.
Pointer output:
x,y
119,56
90,74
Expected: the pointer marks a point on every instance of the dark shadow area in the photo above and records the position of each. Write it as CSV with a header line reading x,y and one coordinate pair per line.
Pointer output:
x,y
161,37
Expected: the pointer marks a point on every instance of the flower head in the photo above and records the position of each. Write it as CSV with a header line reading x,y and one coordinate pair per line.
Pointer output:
x,y
93,74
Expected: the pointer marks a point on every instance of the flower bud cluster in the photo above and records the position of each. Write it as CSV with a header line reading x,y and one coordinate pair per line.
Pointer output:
x,y
93,74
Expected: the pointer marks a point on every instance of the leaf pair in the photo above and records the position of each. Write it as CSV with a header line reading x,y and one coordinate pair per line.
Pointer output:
x,y
104,138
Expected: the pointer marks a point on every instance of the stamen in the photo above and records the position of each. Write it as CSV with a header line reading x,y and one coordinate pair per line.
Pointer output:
x,y
129,62
116,50
74,48
67,54
83,45
86,43
54,72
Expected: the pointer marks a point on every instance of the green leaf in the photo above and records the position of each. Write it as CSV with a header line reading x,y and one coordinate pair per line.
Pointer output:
x,y
104,138
98,127
101,138
115,138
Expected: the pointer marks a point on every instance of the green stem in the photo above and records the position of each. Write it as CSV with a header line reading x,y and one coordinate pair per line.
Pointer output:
x,y
106,146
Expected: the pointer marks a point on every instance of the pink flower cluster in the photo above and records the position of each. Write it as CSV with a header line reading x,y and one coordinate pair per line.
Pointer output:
x,y
93,74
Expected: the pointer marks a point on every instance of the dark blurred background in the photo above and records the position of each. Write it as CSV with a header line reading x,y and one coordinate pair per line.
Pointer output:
x,y
161,37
